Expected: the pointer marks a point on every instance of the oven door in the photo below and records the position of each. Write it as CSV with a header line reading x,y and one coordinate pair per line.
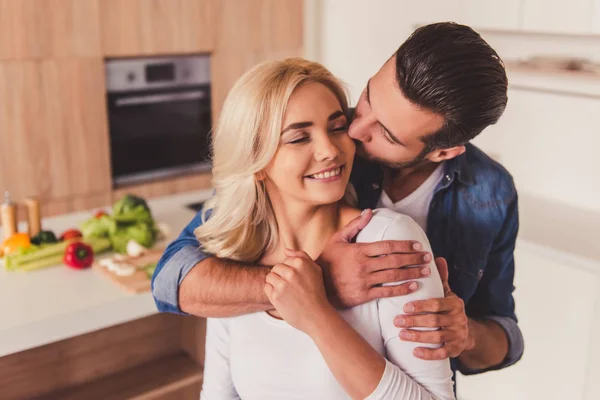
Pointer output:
x,y
159,133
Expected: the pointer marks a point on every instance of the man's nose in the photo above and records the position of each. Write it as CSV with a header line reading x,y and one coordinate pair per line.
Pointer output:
x,y
359,130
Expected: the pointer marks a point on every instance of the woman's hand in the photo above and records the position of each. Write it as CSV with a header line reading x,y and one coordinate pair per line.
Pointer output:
x,y
296,290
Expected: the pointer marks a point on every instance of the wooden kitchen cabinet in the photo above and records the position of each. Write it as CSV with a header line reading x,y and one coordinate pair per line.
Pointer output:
x,y
157,27
42,29
54,137
250,32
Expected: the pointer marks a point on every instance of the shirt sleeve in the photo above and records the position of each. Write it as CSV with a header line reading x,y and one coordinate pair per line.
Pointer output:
x,y
493,299
176,262
406,376
217,383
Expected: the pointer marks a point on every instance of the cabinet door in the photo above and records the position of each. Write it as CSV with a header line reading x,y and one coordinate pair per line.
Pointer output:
x,y
557,16
35,29
491,14
596,17
54,141
555,303
151,27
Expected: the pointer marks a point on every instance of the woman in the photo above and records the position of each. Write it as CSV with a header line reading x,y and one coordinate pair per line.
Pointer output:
x,y
281,164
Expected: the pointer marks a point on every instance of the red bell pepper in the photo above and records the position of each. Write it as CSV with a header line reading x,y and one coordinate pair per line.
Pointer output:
x,y
71,234
78,255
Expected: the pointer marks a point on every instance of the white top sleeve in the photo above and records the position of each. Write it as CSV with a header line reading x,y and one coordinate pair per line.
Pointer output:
x,y
217,383
406,376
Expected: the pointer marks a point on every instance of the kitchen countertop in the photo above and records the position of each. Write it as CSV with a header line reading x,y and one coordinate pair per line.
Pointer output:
x,y
56,303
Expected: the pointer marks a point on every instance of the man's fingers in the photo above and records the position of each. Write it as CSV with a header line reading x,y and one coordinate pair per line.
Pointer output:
x,y
399,260
444,304
396,275
432,354
349,232
442,266
386,247
439,336
424,321
380,292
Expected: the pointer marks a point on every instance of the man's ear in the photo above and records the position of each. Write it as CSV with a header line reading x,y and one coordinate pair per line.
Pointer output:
x,y
440,155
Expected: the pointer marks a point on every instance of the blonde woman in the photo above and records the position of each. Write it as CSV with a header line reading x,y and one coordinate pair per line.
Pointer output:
x,y
282,160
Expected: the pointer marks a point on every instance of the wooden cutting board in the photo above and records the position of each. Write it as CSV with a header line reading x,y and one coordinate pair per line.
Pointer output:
x,y
139,281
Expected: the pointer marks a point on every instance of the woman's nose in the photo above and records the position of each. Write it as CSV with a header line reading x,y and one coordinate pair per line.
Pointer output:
x,y
326,149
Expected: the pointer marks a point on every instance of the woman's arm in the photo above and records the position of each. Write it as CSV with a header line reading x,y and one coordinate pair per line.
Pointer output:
x,y
295,289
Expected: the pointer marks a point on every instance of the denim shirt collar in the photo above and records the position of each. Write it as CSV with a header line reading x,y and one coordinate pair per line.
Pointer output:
x,y
458,168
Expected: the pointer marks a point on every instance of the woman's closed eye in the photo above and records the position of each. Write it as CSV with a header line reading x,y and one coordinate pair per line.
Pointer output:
x,y
297,140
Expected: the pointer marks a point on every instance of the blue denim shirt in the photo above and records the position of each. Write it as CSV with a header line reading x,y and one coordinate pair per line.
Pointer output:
x,y
473,222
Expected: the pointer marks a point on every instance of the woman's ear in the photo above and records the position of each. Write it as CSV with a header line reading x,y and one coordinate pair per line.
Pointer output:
x,y
260,176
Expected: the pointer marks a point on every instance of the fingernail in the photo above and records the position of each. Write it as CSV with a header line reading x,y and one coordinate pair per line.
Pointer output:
x,y
405,334
425,271
418,353
413,286
417,246
427,257
364,211
400,322
409,308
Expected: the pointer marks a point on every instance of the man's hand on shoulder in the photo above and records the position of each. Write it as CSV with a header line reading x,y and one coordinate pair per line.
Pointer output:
x,y
447,314
354,272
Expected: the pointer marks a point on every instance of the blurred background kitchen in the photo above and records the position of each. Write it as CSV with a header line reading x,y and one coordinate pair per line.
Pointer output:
x,y
103,98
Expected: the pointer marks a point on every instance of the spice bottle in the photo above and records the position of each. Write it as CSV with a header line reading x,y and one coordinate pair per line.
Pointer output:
x,y
8,217
34,221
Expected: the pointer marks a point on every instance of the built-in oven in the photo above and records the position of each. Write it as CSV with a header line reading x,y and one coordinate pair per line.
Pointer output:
x,y
159,112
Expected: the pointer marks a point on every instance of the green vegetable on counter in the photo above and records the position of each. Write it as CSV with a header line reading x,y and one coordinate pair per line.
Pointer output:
x,y
48,255
131,220
44,237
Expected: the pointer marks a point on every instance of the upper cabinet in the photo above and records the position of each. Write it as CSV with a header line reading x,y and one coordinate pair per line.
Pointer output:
x,y
491,14
539,16
54,141
35,29
557,16
596,17
151,27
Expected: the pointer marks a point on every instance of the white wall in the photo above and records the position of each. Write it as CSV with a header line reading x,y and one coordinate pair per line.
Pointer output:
x,y
548,142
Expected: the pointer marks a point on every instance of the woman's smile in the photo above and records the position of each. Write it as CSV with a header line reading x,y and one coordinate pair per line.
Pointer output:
x,y
328,175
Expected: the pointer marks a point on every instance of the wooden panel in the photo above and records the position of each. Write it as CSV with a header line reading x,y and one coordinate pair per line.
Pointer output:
x,y
193,337
250,32
150,27
171,377
75,27
89,357
24,30
165,187
54,131
36,29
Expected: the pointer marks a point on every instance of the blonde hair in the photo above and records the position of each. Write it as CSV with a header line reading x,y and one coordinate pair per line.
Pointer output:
x,y
242,224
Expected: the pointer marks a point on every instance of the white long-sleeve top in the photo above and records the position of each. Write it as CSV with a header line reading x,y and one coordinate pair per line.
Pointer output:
x,y
258,357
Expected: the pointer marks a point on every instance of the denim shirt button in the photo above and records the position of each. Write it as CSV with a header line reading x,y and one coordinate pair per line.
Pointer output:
x,y
447,178
375,186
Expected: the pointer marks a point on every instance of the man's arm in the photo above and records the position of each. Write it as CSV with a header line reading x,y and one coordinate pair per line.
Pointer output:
x,y
497,339
490,337
189,281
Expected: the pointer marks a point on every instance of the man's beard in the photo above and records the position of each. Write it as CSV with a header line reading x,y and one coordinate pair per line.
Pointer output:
x,y
395,165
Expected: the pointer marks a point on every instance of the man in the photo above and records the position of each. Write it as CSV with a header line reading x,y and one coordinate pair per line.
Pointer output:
x,y
412,125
